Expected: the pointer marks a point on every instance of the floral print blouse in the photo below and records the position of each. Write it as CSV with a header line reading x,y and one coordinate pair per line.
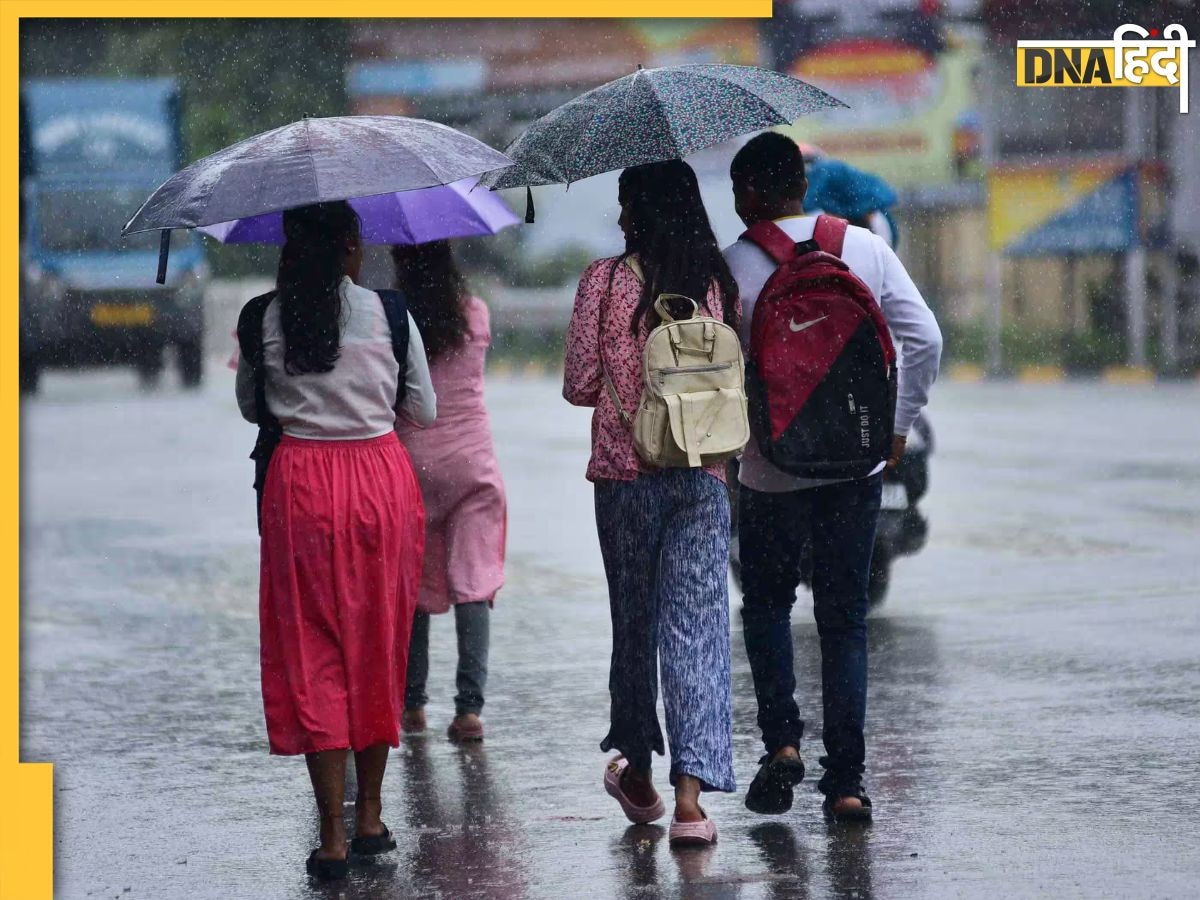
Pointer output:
x,y
601,323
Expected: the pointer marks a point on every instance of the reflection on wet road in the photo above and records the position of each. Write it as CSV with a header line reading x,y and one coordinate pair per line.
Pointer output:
x,y
1035,682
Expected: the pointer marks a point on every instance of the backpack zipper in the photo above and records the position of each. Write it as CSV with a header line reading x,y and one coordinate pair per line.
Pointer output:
x,y
681,370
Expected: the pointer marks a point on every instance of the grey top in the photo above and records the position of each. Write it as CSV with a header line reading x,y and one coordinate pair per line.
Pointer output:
x,y
356,400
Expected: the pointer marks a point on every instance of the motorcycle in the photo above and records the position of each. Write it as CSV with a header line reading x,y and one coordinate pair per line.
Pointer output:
x,y
903,529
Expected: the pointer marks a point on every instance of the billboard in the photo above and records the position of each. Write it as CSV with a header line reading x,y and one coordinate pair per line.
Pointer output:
x,y
403,65
1063,209
910,89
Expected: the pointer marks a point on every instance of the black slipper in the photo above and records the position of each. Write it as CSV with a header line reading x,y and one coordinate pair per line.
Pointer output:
x,y
373,844
862,814
770,792
327,869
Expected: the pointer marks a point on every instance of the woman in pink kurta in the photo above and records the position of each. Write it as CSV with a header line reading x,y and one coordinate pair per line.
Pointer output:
x,y
460,480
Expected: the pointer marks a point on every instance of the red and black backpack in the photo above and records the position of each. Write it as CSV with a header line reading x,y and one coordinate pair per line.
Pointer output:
x,y
821,377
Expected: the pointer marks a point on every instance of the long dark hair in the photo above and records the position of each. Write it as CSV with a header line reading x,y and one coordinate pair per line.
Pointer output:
x,y
668,229
318,238
435,292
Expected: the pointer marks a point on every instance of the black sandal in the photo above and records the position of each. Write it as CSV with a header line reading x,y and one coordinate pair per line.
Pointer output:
x,y
771,791
862,814
373,844
327,869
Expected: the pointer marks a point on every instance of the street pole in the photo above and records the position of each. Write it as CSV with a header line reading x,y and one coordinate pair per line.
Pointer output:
x,y
992,286
1183,178
1169,334
1136,132
1135,294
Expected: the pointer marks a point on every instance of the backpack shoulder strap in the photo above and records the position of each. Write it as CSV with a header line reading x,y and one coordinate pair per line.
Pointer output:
x,y
830,234
249,326
772,240
396,310
250,343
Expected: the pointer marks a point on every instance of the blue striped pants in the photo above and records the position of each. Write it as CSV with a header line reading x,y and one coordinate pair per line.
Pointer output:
x,y
665,542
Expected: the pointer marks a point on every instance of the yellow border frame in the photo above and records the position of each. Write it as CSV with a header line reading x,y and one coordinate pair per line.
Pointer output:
x,y
27,789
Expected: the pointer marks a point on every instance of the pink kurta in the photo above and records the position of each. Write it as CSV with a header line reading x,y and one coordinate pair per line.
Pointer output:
x,y
465,508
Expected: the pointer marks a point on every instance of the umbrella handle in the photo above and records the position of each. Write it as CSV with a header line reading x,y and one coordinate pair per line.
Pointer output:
x,y
164,249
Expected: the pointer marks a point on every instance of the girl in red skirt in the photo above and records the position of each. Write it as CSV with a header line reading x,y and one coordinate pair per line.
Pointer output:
x,y
342,523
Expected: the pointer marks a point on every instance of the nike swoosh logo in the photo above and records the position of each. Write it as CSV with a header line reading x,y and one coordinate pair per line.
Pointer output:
x,y
792,324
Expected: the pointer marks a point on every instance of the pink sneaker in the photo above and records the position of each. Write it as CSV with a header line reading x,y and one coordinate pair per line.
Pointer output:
x,y
638,815
693,834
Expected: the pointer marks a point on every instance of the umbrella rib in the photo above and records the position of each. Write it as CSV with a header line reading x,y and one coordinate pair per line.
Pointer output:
x,y
308,156
587,133
424,163
836,102
662,108
749,96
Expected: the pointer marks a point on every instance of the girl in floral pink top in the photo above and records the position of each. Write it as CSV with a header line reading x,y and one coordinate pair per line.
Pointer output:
x,y
664,533
608,301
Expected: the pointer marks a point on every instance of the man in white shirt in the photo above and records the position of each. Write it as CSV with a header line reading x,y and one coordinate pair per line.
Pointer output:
x,y
779,513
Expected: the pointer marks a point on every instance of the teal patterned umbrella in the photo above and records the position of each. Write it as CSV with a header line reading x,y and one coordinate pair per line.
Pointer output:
x,y
651,116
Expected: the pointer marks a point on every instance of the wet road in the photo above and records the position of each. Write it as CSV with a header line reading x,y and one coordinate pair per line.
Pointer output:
x,y
1034,723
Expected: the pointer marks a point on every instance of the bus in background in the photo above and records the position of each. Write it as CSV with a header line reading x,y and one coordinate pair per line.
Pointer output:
x,y
91,151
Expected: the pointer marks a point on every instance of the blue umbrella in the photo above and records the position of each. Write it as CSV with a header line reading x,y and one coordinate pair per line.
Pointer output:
x,y
312,161
841,190
651,116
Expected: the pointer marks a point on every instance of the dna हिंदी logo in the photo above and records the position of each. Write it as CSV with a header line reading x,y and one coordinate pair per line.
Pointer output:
x,y
1134,57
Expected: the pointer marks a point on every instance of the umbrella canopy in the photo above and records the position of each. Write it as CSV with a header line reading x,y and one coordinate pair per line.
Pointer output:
x,y
312,161
651,116
408,217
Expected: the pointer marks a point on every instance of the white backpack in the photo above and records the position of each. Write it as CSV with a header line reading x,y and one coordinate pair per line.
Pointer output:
x,y
693,410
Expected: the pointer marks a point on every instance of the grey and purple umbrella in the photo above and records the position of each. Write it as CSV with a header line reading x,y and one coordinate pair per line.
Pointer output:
x,y
404,217
654,115
312,161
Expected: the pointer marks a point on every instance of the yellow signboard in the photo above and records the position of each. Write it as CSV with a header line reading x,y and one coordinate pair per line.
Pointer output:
x,y
1021,200
910,118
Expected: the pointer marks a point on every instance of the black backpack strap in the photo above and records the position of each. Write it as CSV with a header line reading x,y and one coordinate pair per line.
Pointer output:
x,y
250,344
396,310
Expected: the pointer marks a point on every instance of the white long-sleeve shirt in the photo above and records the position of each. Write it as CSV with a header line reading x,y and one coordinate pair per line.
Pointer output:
x,y
357,399
915,330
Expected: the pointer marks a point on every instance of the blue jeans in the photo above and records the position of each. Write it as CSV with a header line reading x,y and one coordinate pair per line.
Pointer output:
x,y
839,520
665,542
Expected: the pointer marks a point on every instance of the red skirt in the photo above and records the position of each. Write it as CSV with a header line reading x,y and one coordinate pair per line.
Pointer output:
x,y
343,536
